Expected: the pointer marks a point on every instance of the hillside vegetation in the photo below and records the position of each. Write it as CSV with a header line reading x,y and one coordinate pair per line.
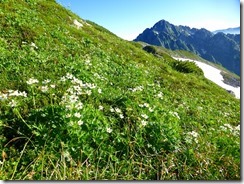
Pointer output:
x,y
79,103
230,78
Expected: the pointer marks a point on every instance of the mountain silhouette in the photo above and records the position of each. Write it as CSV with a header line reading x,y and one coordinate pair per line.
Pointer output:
x,y
219,48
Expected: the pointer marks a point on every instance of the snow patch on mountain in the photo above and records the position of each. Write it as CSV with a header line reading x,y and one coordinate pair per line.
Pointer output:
x,y
214,75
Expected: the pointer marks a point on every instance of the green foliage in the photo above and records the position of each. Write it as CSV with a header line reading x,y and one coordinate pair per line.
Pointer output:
x,y
150,49
83,104
186,67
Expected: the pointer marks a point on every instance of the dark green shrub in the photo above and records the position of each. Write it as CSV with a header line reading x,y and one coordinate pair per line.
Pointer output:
x,y
150,49
186,67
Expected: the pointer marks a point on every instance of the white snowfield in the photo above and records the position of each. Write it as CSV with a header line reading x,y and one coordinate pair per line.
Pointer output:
x,y
214,75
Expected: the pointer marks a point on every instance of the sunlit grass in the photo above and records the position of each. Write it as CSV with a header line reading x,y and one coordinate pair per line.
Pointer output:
x,y
82,104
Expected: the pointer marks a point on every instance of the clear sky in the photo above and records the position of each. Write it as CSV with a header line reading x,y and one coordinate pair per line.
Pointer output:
x,y
128,18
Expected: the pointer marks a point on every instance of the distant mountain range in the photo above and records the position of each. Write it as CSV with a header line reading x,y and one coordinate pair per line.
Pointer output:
x,y
235,30
218,48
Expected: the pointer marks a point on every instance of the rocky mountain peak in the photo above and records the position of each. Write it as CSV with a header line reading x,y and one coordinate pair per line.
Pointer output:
x,y
200,41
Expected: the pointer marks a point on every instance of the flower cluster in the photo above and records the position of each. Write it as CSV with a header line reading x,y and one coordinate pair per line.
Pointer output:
x,y
71,99
175,114
32,81
228,128
138,88
117,111
99,77
146,105
45,88
191,136
12,93
12,103
159,95
109,130
144,120
79,87
88,62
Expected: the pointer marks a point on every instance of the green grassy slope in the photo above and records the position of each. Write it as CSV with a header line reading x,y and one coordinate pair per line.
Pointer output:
x,y
79,103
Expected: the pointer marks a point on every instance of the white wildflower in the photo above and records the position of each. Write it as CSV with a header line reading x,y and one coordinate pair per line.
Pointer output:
x,y
77,88
237,127
121,116
175,114
144,116
109,130
141,105
234,130
223,128
71,123
111,109
75,80
3,96
46,81
13,93
73,98
91,86
228,126
138,88
77,114
69,107
100,107
24,94
144,123
69,76
160,95
52,86
118,110
12,103
79,105
80,122
88,92
44,89
146,105
63,79
193,134
88,62
68,115
17,93
99,90
33,45
70,90
150,109
32,81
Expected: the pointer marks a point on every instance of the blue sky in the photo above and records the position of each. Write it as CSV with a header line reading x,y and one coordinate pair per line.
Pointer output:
x,y
129,18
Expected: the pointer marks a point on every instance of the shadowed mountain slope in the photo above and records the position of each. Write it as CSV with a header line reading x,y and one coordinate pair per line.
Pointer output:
x,y
218,48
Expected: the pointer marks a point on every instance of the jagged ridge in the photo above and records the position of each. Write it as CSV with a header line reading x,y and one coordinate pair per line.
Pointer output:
x,y
219,48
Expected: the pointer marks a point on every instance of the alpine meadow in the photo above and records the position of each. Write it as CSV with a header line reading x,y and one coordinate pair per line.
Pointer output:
x,y
79,103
